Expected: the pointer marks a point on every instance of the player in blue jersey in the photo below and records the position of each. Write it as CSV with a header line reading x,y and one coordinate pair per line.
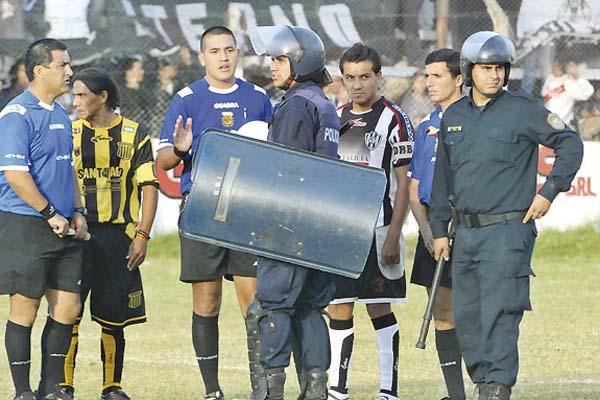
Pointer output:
x,y
221,101
444,82
40,216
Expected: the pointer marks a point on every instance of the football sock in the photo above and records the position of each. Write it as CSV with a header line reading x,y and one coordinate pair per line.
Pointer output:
x,y
448,351
56,339
71,356
388,338
341,337
17,340
205,336
112,351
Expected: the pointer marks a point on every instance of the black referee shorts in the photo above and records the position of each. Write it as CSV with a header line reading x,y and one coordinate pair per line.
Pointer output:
x,y
207,262
424,268
117,295
34,258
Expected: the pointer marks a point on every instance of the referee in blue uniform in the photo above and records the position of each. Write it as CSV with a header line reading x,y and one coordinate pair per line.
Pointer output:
x,y
40,216
444,83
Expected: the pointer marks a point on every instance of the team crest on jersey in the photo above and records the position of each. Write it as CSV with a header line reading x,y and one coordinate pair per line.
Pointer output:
x,y
135,299
124,150
76,131
77,151
373,139
227,119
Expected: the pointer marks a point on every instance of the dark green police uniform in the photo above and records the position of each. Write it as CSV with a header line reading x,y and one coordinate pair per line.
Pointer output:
x,y
487,162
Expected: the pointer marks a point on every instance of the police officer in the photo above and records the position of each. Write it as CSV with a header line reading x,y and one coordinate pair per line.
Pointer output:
x,y
292,297
487,162
40,207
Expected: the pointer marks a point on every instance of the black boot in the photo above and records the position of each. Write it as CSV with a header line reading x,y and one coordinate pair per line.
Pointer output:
x,y
275,385
494,391
316,385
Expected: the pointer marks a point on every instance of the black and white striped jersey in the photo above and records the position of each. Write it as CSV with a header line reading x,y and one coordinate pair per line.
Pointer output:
x,y
381,137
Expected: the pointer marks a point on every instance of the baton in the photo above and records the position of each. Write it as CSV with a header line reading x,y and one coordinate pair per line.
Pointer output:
x,y
435,285
437,278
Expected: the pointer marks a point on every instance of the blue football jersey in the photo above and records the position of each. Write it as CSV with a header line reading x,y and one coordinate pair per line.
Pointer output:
x,y
209,107
38,138
422,165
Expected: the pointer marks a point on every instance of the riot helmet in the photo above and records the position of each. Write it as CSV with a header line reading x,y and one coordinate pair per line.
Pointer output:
x,y
486,47
301,46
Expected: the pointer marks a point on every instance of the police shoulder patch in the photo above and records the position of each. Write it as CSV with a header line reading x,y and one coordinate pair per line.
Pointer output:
x,y
555,122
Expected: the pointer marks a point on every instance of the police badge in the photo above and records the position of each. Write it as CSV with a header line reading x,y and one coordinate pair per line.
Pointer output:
x,y
555,122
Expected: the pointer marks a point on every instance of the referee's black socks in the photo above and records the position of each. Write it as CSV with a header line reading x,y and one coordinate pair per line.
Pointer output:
x,y
17,339
56,339
448,351
205,336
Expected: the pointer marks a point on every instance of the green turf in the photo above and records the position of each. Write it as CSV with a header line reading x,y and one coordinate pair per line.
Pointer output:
x,y
560,342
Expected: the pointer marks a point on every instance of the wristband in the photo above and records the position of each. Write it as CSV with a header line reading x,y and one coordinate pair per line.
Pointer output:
x,y
140,234
48,212
179,153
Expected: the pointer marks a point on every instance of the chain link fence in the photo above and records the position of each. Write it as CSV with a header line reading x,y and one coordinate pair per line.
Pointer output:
x,y
150,46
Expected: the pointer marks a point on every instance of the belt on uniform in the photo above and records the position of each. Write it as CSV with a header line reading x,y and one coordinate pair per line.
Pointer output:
x,y
479,220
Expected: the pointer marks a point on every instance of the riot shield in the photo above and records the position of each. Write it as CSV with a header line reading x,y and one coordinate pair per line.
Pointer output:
x,y
274,201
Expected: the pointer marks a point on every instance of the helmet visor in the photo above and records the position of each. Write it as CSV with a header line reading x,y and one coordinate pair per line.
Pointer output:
x,y
274,41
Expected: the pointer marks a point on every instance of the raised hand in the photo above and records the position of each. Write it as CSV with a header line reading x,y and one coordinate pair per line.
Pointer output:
x,y
182,136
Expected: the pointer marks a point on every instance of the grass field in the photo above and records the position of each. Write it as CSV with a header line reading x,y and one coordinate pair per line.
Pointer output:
x,y
560,341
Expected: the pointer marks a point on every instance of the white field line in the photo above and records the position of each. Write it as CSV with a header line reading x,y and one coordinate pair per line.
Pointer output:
x,y
192,363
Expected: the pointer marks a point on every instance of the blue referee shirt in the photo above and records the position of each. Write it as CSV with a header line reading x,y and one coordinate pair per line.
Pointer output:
x,y
38,138
209,107
422,165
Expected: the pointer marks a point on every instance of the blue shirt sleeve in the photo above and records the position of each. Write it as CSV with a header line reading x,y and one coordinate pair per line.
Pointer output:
x,y
176,108
14,146
268,109
414,168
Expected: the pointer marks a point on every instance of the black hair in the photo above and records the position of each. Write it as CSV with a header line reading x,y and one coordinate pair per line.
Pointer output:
x,y
40,53
98,81
449,56
216,30
359,52
125,65
14,70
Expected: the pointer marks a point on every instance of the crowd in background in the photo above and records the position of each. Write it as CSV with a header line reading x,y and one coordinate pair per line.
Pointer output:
x,y
554,48
147,85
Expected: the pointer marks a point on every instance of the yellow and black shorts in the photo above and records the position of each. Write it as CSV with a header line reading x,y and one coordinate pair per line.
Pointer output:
x,y
117,294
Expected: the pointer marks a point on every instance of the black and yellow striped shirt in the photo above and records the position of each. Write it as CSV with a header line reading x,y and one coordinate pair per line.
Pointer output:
x,y
112,164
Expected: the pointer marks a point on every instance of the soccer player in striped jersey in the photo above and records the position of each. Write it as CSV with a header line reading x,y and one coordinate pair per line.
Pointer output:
x,y
378,133
114,164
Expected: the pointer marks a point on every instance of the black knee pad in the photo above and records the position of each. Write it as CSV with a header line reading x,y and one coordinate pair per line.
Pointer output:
x,y
257,376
